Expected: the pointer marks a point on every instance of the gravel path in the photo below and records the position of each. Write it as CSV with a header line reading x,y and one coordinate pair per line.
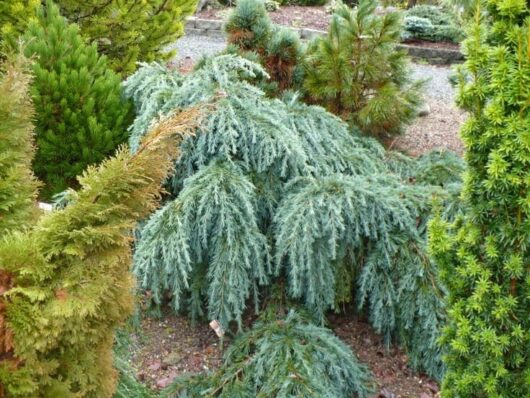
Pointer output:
x,y
439,129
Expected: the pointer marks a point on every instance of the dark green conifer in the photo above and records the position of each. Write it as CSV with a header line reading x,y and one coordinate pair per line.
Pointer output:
x,y
81,115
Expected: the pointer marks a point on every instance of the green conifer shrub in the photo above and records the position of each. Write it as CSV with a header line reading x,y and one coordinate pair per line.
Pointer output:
x,y
356,72
70,283
129,31
276,192
18,186
279,359
81,115
250,33
484,254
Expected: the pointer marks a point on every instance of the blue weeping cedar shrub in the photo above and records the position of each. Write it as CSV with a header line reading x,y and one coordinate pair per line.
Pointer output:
x,y
275,192
326,369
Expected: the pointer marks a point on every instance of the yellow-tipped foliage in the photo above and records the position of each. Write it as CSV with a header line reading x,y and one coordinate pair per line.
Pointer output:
x,y
70,281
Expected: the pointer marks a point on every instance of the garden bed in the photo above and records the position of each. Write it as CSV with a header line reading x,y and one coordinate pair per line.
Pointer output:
x,y
169,347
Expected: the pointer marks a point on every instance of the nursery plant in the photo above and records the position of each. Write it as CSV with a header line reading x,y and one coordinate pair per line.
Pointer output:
x,y
357,73
484,255
432,23
80,113
273,192
18,186
251,33
66,284
15,16
129,31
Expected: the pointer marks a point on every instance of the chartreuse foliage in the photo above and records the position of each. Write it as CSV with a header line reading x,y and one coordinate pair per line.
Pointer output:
x,y
129,31
274,191
318,365
484,255
356,72
70,284
80,114
18,186
251,34
15,15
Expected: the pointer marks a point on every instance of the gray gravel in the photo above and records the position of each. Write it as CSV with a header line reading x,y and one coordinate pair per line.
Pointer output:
x,y
437,87
195,47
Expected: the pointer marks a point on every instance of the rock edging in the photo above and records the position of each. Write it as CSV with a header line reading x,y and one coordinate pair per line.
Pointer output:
x,y
214,28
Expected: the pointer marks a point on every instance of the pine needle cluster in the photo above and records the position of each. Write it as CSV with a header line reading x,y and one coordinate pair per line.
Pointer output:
x,y
356,72
484,254
81,115
272,191
70,285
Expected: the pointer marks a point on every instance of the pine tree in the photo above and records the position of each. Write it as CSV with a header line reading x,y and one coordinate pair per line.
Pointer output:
x,y
357,73
484,254
129,31
70,283
18,186
81,115
282,358
250,33
276,192
15,15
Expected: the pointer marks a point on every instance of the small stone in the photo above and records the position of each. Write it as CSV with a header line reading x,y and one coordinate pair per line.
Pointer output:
x,y
173,358
424,110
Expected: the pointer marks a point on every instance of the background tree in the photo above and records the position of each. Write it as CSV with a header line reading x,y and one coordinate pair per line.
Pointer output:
x,y
357,73
70,284
251,34
81,116
484,255
129,31
15,15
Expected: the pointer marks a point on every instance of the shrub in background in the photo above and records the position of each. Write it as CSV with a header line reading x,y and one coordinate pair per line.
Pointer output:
x,y
356,72
484,255
15,15
279,359
128,31
251,34
81,115
18,186
274,191
70,284
427,22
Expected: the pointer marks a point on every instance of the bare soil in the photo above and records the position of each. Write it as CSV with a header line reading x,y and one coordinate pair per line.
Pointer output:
x,y
168,347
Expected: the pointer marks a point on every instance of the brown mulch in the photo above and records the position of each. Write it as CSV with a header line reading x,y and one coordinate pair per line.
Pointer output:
x,y
294,16
438,130
169,347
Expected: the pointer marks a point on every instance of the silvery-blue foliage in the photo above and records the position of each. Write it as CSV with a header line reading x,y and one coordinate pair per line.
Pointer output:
x,y
276,190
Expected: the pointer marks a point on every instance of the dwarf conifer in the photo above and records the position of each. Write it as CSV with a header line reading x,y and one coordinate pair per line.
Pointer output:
x,y
357,73
282,358
129,31
484,255
81,115
69,280
274,191
278,49
15,15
